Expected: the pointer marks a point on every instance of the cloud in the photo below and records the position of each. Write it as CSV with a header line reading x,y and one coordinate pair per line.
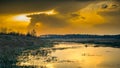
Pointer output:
x,y
25,6
92,15
73,16
53,21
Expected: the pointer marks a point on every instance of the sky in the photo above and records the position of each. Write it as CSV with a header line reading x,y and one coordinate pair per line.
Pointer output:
x,y
60,16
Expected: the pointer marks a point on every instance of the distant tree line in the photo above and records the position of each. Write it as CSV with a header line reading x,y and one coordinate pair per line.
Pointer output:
x,y
67,36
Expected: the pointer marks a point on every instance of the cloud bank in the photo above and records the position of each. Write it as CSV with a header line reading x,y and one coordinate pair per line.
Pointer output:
x,y
71,16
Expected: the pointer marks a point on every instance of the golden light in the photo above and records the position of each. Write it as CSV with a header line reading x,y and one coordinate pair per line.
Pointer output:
x,y
51,12
23,18
48,12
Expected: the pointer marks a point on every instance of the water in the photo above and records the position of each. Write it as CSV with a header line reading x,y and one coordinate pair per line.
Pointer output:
x,y
71,55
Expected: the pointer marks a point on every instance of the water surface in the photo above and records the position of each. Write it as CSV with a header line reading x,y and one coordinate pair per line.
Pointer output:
x,y
71,55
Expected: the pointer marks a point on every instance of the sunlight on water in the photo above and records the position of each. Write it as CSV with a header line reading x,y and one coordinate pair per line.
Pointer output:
x,y
71,55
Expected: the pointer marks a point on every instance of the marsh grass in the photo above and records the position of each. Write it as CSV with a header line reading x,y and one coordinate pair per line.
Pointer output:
x,y
12,45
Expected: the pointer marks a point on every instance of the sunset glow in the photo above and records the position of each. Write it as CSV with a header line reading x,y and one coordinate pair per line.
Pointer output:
x,y
51,12
21,18
66,18
59,33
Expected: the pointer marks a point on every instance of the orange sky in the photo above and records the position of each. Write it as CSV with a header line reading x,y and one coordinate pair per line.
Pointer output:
x,y
88,17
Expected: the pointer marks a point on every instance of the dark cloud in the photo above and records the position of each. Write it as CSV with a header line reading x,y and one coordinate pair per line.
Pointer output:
x,y
75,15
25,6
52,21
104,6
115,6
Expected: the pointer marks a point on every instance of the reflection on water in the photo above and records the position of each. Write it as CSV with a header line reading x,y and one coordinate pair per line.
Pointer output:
x,y
71,55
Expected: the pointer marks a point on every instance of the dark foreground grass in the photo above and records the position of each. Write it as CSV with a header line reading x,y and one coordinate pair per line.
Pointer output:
x,y
12,46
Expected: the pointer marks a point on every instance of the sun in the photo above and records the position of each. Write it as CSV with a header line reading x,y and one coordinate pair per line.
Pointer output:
x,y
21,18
